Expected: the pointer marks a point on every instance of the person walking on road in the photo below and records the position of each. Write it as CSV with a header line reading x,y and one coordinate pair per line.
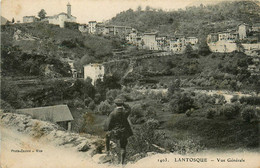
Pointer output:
x,y
118,127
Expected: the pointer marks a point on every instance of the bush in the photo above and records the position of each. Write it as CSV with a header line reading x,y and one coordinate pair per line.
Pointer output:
x,y
92,105
125,97
202,100
235,98
113,93
230,111
252,100
144,138
104,108
181,102
87,123
150,113
87,101
6,107
76,103
37,130
248,113
97,98
136,95
189,112
69,44
211,112
137,114
184,147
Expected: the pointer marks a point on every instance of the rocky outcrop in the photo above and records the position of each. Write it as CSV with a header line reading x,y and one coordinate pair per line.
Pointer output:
x,y
49,132
19,35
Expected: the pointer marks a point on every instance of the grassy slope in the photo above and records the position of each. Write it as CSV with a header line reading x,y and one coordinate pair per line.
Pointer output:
x,y
216,133
50,38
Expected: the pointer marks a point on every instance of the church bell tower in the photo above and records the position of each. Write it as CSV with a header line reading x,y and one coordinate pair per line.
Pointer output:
x,y
69,9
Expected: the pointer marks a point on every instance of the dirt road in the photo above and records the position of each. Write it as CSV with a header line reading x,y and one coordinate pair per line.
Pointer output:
x,y
21,151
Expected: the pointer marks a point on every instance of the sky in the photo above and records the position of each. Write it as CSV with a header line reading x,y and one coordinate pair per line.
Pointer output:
x,y
87,10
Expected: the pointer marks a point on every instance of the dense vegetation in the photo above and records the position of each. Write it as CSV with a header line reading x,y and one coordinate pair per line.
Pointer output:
x,y
214,71
193,21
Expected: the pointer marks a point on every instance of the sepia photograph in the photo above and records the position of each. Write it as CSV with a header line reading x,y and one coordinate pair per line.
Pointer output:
x,y
130,84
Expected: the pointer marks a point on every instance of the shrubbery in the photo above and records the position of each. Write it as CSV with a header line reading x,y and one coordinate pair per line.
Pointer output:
x,y
144,138
181,102
104,108
252,100
230,111
92,105
76,103
137,114
188,146
6,107
189,112
235,98
248,113
113,93
211,112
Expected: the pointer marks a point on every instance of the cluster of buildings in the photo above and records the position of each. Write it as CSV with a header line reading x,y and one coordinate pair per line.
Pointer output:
x,y
58,19
100,28
152,41
245,39
148,40
230,40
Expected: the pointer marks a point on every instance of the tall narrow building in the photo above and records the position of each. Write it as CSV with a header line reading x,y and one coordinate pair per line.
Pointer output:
x,y
69,9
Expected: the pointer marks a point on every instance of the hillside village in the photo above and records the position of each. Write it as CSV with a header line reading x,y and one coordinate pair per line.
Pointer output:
x,y
243,38
189,92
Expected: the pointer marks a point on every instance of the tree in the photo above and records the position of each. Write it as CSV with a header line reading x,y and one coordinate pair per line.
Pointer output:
x,y
10,94
139,8
188,50
86,59
142,44
181,102
147,8
174,86
248,113
42,14
204,49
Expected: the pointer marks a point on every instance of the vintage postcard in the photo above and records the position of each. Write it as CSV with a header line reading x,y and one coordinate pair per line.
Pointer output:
x,y
133,83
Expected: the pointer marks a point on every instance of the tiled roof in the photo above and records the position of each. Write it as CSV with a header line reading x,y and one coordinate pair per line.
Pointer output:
x,y
56,113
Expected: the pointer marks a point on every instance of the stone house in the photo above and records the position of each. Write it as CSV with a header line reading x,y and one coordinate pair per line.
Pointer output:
x,y
100,28
192,40
92,27
212,38
161,42
229,36
177,44
29,19
243,30
149,40
94,72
